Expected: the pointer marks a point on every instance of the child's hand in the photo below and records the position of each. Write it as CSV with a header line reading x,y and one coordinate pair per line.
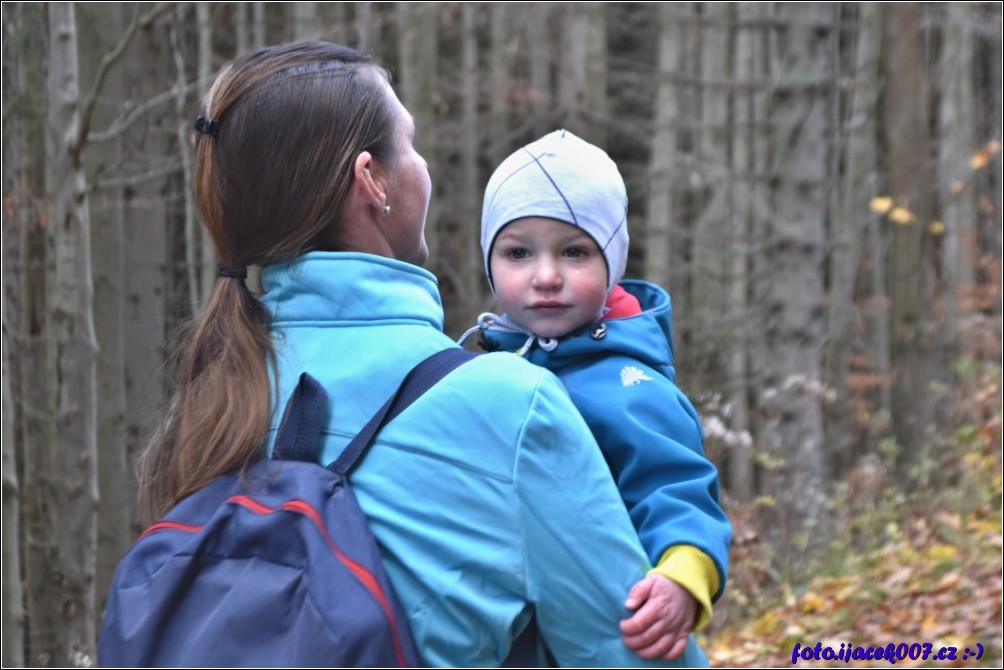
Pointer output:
x,y
665,614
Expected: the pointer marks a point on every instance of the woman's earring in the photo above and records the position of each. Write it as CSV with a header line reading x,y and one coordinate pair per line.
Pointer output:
x,y
386,209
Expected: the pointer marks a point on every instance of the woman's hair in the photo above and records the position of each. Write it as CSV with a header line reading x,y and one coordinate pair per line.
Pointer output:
x,y
280,131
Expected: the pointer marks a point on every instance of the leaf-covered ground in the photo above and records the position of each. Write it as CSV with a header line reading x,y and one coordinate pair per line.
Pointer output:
x,y
935,579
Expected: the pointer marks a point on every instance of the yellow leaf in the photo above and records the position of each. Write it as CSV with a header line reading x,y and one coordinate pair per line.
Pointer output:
x,y
936,228
767,624
812,603
941,553
881,204
901,215
984,527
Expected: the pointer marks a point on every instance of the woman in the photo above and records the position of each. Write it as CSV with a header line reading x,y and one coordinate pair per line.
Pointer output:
x,y
488,497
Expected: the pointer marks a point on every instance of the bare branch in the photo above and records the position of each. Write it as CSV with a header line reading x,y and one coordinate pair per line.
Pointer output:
x,y
107,62
120,125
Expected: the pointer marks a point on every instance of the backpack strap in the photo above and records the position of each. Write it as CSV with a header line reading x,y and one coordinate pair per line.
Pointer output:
x,y
422,377
302,421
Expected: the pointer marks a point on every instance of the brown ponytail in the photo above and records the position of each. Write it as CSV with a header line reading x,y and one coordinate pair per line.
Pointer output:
x,y
280,130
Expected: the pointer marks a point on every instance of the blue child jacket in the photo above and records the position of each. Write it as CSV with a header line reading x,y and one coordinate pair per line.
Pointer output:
x,y
621,377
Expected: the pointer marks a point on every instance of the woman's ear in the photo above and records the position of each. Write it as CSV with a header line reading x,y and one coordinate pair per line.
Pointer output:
x,y
368,181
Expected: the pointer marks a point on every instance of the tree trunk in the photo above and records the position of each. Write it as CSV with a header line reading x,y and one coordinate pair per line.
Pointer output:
x,y
13,618
747,115
32,377
472,271
597,101
795,299
241,37
23,187
661,206
101,27
207,255
859,184
582,83
13,594
712,238
305,21
914,364
364,26
419,68
957,114
149,293
258,24
501,81
538,16
73,545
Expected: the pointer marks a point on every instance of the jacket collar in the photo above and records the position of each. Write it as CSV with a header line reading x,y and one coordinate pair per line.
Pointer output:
x,y
647,337
350,287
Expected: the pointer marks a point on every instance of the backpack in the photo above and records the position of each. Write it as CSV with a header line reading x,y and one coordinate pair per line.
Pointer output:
x,y
275,566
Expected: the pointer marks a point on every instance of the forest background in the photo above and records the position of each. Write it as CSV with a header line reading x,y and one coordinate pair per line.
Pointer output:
x,y
818,185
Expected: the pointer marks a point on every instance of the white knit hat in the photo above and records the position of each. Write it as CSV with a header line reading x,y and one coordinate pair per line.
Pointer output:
x,y
562,177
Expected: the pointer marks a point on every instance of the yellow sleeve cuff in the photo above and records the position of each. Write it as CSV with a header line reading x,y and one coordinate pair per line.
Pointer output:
x,y
694,570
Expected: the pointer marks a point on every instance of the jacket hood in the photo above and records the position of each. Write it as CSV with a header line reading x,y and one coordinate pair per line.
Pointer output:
x,y
647,337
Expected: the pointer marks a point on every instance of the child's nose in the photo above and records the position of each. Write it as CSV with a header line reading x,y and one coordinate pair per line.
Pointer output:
x,y
546,274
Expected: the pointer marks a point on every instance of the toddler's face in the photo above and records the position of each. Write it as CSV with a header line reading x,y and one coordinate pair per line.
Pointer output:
x,y
549,276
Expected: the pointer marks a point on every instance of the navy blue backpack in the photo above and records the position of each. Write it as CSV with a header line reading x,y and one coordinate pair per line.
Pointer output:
x,y
273,567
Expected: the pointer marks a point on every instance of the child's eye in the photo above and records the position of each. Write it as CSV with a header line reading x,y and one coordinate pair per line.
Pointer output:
x,y
517,254
575,252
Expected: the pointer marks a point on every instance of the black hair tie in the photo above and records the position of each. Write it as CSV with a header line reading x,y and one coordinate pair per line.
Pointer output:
x,y
207,126
231,272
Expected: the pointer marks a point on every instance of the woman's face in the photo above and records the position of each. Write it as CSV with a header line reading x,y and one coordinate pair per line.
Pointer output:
x,y
408,188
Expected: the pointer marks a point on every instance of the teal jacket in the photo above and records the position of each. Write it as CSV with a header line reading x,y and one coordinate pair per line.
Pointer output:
x,y
620,375
488,497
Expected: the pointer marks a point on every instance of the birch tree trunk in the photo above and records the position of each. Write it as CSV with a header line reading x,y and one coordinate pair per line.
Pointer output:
x,y
72,550
795,294
859,130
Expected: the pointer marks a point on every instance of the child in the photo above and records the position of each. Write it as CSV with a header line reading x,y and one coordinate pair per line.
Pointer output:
x,y
555,241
